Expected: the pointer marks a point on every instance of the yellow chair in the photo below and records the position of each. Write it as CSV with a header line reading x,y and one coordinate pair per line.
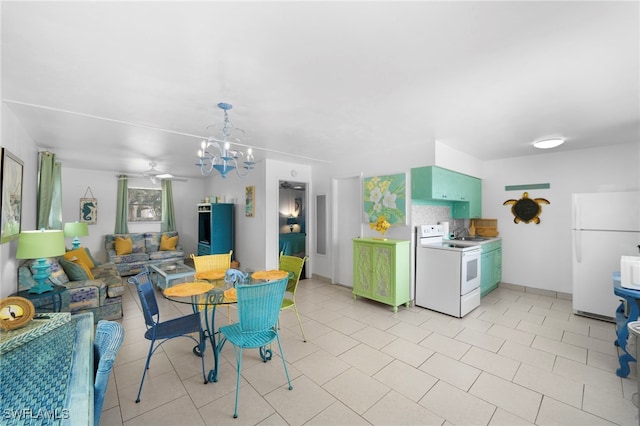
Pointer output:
x,y
211,268
204,265
292,264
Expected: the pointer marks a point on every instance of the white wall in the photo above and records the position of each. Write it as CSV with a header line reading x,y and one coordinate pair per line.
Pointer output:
x,y
539,256
16,140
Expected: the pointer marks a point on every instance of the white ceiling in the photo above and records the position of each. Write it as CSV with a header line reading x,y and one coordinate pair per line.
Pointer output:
x,y
93,81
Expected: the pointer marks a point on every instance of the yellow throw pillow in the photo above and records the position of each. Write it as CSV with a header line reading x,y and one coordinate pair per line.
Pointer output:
x,y
80,255
123,246
168,243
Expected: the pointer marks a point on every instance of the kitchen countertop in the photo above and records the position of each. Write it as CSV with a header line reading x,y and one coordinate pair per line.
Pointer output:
x,y
475,242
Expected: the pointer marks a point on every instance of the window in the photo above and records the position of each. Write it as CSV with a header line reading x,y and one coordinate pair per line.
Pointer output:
x,y
145,205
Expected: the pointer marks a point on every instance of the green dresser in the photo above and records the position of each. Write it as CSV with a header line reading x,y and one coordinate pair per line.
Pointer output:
x,y
381,270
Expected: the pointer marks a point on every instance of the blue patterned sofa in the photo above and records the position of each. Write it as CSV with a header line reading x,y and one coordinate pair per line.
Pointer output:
x,y
145,251
101,295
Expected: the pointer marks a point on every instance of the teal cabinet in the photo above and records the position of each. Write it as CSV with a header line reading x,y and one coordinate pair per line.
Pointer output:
x,y
215,228
432,183
435,183
490,266
471,205
381,271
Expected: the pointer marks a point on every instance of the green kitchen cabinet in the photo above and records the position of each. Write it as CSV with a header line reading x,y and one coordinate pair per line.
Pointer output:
x,y
435,183
381,271
463,192
490,266
471,204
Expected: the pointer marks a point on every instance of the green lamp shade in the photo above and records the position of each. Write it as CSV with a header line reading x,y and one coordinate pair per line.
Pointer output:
x,y
40,244
76,229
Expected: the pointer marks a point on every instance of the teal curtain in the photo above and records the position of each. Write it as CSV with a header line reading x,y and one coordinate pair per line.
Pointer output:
x,y
168,214
49,203
121,206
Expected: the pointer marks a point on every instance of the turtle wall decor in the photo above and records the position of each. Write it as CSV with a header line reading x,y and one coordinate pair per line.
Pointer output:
x,y
526,209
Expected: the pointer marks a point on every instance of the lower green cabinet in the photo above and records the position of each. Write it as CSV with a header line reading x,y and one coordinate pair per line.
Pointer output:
x,y
381,271
490,266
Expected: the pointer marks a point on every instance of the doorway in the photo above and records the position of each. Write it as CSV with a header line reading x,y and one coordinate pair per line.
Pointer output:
x,y
293,224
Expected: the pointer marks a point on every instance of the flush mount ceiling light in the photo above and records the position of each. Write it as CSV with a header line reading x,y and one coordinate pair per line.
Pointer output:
x,y
217,153
548,143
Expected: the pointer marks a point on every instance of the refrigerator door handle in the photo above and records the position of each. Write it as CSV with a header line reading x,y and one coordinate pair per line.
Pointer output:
x,y
576,212
577,245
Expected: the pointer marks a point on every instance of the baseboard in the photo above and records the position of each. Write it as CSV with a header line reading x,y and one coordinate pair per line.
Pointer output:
x,y
533,290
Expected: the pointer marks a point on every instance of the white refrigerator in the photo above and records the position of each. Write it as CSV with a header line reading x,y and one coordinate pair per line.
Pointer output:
x,y
605,226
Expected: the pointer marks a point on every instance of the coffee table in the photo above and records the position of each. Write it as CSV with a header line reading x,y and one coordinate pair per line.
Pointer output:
x,y
166,275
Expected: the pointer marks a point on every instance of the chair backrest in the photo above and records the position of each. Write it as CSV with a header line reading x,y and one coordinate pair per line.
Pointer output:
x,y
259,305
106,345
147,297
209,262
292,264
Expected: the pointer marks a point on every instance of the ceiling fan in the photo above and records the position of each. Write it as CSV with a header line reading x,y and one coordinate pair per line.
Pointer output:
x,y
153,174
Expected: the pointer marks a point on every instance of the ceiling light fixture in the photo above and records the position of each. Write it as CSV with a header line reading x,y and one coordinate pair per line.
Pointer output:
x,y
548,143
217,153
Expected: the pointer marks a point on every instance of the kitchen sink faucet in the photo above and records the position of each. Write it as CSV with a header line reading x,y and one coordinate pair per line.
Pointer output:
x,y
460,232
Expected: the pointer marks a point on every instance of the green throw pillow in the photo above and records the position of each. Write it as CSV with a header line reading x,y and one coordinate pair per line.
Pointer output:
x,y
74,271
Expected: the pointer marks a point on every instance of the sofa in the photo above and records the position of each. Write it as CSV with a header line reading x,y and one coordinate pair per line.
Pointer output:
x,y
133,252
90,286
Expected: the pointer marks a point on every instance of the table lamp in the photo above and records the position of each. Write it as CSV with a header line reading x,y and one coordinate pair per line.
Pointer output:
x,y
291,221
75,230
40,245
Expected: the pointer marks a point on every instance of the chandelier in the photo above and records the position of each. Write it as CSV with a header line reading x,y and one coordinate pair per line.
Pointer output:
x,y
217,153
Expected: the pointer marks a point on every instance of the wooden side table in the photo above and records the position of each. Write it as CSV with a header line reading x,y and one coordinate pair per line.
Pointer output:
x,y
630,302
54,304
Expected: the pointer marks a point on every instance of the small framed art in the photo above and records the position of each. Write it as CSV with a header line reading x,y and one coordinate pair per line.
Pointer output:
x,y
250,199
11,170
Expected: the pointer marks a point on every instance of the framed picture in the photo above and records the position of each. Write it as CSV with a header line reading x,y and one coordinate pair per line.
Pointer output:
x,y
89,210
386,196
250,199
11,170
145,205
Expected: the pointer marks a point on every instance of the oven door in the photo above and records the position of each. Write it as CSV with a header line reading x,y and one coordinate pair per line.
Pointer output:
x,y
470,273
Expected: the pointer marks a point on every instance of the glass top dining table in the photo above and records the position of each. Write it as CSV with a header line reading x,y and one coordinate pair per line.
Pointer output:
x,y
208,295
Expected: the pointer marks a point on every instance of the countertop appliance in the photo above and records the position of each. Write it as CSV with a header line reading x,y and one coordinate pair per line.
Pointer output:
x,y
605,227
447,274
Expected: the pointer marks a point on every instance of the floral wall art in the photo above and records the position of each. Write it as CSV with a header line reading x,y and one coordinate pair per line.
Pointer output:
x,y
386,196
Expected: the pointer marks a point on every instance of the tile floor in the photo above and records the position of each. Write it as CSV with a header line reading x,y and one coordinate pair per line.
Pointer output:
x,y
518,359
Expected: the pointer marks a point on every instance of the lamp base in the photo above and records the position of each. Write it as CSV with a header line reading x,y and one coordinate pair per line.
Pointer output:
x,y
40,288
76,243
41,274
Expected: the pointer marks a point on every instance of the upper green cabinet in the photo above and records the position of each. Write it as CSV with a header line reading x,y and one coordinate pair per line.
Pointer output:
x,y
471,207
435,183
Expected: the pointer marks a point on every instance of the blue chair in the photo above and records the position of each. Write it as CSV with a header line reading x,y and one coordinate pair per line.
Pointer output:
x,y
160,332
109,337
258,310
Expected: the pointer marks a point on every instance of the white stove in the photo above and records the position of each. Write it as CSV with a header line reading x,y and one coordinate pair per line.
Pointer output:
x,y
447,274
434,237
